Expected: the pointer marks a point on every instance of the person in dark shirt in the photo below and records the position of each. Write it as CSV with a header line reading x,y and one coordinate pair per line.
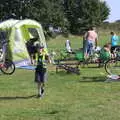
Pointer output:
x,y
41,69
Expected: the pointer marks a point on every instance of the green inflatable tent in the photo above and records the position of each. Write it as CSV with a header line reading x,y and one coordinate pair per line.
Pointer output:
x,y
17,33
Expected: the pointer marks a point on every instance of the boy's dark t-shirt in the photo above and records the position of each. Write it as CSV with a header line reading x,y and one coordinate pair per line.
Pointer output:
x,y
41,65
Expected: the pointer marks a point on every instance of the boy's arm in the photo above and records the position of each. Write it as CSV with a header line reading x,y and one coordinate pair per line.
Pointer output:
x,y
48,58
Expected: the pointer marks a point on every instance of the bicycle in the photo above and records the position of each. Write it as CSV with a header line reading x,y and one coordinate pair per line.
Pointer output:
x,y
112,66
6,66
68,62
69,67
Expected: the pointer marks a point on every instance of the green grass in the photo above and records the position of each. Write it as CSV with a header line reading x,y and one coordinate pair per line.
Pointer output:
x,y
59,42
67,96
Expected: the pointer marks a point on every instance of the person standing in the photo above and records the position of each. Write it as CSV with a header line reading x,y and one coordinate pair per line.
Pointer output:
x,y
91,42
68,46
31,47
114,41
41,69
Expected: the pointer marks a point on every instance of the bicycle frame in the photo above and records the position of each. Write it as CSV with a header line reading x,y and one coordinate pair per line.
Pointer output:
x,y
112,66
3,52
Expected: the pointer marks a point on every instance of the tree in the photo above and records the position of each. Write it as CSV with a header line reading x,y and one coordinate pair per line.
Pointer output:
x,y
47,12
75,15
85,13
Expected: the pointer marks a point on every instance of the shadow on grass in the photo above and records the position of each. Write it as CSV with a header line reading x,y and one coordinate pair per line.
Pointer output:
x,y
61,73
66,73
93,79
17,97
87,66
53,112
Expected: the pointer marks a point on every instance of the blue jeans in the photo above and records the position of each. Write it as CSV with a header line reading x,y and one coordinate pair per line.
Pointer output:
x,y
89,47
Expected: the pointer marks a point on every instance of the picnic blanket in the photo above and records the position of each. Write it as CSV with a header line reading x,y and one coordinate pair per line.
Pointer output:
x,y
30,67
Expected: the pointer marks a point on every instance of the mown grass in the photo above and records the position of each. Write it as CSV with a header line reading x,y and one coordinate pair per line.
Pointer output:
x,y
67,96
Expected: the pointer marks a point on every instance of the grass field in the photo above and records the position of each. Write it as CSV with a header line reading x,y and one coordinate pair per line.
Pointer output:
x,y
67,96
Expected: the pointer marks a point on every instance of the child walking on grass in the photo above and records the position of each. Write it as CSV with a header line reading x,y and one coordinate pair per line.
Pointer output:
x,y
41,69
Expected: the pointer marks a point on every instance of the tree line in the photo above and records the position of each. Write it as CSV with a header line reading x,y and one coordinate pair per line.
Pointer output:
x,y
72,15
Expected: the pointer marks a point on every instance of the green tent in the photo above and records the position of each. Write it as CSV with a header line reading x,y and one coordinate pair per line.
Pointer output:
x,y
18,32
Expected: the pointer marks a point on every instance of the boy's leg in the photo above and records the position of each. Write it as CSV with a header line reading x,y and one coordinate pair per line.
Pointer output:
x,y
39,89
41,84
44,78
42,88
31,58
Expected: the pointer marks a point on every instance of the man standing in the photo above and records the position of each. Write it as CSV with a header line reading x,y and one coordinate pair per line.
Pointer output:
x,y
91,38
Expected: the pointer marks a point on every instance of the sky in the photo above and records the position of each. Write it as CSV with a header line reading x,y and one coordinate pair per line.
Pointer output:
x,y
115,10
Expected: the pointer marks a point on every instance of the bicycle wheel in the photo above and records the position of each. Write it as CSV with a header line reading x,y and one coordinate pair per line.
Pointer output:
x,y
112,67
8,67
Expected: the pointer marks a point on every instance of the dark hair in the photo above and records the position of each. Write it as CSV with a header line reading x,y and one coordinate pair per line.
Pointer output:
x,y
92,27
107,44
38,46
112,33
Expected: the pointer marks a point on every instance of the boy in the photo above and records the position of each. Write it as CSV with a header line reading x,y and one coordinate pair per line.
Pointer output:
x,y
105,53
41,69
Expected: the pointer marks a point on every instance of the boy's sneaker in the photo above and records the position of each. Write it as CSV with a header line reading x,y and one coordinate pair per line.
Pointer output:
x,y
42,92
41,95
38,96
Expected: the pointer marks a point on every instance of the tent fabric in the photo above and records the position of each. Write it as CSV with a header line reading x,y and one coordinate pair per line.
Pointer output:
x,y
27,22
18,35
8,23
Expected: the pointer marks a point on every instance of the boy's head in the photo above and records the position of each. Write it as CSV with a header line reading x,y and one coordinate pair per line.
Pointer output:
x,y
40,48
108,45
